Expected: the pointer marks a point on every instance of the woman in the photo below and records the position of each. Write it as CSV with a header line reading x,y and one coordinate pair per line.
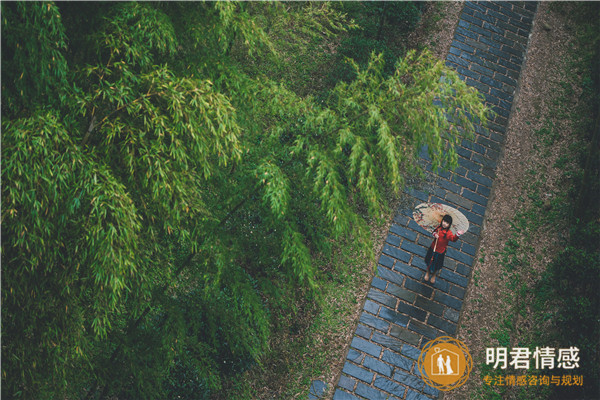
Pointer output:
x,y
437,250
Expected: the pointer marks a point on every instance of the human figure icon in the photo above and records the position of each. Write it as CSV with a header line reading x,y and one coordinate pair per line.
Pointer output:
x,y
449,370
440,363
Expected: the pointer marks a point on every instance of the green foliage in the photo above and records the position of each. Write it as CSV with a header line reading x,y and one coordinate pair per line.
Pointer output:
x,y
383,28
162,195
33,59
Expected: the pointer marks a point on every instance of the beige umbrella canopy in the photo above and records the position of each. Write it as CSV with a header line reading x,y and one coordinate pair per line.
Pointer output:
x,y
429,216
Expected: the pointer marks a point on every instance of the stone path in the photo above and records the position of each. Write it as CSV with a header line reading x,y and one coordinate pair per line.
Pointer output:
x,y
401,312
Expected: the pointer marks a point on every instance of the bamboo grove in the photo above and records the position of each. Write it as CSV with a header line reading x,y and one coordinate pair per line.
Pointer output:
x,y
163,190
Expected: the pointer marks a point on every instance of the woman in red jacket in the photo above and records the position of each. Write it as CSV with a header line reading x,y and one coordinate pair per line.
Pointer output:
x,y
437,250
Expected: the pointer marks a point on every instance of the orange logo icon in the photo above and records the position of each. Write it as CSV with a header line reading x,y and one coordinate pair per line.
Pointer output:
x,y
445,363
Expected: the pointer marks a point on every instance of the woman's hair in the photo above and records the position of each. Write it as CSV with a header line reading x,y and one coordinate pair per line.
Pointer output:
x,y
448,219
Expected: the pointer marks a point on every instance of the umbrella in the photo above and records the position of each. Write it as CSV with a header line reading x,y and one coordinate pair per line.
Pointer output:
x,y
429,216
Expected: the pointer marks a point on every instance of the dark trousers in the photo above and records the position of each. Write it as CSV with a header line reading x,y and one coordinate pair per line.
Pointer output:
x,y
438,260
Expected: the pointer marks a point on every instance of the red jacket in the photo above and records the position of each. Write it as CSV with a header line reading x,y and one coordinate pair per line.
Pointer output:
x,y
445,236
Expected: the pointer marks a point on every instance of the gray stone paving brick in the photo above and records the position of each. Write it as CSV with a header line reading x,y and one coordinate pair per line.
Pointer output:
x,y
397,360
462,46
371,307
473,146
393,240
469,237
412,395
419,194
341,395
469,165
515,66
459,200
386,261
423,241
419,262
413,248
512,15
367,347
480,31
467,248
457,60
390,386
374,322
451,186
488,143
478,209
460,257
495,83
402,220
393,316
410,271
378,366
456,51
424,329
505,79
472,217
404,232
414,226
411,352
388,341
506,27
355,356
497,128
450,264
362,330
485,161
474,6
448,300
370,393
439,323
429,305
483,88
470,19
501,93
418,287
358,372
491,100
498,15
451,315
515,51
455,278
415,382
466,34
465,182
492,43
347,383
492,6
378,283
388,275
401,293
382,298
396,253
484,17
483,71
463,269
405,335
475,197
441,284
411,311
